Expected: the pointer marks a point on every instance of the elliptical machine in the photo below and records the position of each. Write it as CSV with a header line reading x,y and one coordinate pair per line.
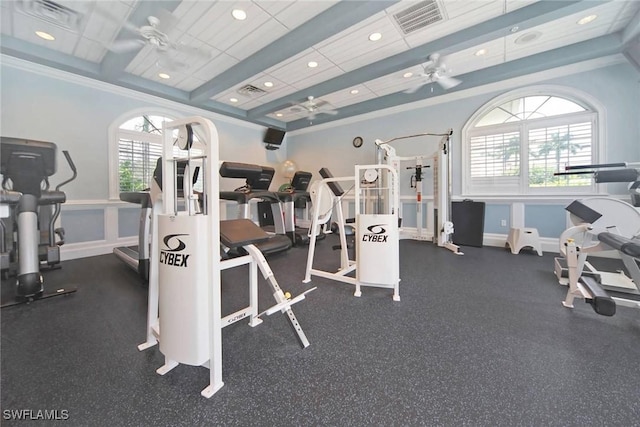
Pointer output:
x,y
26,166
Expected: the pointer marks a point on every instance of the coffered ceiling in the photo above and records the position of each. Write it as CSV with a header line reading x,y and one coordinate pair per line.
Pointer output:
x,y
351,57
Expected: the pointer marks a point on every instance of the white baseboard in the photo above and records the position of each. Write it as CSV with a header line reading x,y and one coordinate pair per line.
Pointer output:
x,y
549,244
86,249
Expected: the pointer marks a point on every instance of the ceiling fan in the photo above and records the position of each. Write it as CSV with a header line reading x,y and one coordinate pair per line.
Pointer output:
x,y
156,35
312,107
435,72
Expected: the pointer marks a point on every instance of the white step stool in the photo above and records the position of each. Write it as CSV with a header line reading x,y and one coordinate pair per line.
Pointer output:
x,y
524,237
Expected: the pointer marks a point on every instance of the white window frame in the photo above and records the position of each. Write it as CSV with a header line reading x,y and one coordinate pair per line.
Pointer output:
x,y
596,113
114,135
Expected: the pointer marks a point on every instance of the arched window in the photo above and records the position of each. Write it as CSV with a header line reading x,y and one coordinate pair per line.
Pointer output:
x,y
139,145
516,145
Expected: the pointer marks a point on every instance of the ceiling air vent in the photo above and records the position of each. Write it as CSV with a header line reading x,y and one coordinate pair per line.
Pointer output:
x,y
251,91
51,12
418,16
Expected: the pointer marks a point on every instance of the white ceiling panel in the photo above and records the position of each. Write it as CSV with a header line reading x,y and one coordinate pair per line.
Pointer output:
x,y
344,97
24,27
297,13
461,15
356,44
374,55
105,30
204,25
217,65
6,18
466,61
188,83
90,50
269,32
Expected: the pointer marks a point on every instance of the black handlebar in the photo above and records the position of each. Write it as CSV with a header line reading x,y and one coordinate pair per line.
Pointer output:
x,y
73,169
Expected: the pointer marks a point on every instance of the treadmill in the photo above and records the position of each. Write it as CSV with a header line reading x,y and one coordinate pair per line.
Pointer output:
x,y
257,181
297,197
138,257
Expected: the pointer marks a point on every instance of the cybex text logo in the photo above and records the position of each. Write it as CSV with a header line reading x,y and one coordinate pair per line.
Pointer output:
x,y
170,255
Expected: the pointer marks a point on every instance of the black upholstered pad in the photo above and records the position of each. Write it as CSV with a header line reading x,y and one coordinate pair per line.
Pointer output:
x,y
243,198
620,243
240,232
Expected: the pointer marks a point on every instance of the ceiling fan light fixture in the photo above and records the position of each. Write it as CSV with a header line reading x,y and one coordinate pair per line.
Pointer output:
x,y
587,19
239,14
374,37
164,76
44,35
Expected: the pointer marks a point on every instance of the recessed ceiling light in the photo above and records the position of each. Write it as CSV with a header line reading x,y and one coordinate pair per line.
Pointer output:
x,y
312,64
407,75
528,37
354,91
239,14
278,114
374,37
233,99
268,84
514,29
164,76
481,52
45,36
587,19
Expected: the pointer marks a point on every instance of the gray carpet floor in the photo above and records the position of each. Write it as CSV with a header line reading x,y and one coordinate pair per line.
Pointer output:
x,y
478,340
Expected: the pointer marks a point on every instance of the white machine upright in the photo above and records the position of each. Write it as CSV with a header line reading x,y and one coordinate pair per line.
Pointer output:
x,y
184,313
439,227
377,248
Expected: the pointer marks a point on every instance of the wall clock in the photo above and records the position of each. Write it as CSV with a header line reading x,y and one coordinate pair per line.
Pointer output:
x,y
357,142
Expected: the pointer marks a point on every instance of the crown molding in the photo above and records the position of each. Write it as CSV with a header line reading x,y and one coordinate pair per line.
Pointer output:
x,y
43,70
534,78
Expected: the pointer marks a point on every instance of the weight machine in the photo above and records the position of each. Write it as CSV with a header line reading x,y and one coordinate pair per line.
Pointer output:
x,y
602,224
440,165
376,230
184,311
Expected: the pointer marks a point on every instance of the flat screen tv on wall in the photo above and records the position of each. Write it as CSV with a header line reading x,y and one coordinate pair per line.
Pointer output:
x,y
273,138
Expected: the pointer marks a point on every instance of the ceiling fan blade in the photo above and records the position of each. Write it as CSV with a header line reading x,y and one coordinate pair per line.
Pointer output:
x,y
447,82
167,62
330,112
414,89
194,52
311,116
106,14
124,46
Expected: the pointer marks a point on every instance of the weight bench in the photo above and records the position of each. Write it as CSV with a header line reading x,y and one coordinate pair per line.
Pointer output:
x,y
234,234
244,233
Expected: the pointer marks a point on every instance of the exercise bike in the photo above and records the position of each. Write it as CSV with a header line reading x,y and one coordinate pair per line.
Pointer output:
x,y
29,213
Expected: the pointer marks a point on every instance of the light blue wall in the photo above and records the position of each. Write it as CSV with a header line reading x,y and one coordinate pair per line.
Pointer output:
x,y
493,216
615,87
86,225
550,220
77,116
34,105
